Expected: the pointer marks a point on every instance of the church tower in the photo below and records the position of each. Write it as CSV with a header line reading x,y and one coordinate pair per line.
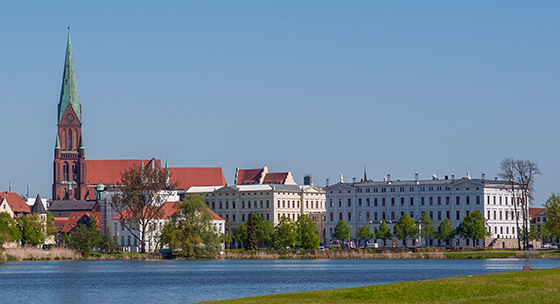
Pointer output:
x,y
69,166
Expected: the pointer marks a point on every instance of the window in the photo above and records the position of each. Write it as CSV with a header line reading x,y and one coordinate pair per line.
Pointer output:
x,y
65,171
349,202
367,202
412,214
422,201
392,201
412,201
340,202
262,205
74,171
458,215
332,217
383,216
500,215
468,200
128,240
70,148
402,201
439,215
359,216
227,204
340,216
478,200
392,216
431,201
383,202
439,200
448,214
375,202
447,200
243,217
367,216
233,204
332,203
375,216
220,205
233,216
359,202
349,216
457,200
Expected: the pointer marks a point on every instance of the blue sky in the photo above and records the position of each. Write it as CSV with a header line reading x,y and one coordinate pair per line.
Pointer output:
x,y
434,87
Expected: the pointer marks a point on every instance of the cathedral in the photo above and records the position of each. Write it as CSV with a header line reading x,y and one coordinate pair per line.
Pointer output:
x,y
78,179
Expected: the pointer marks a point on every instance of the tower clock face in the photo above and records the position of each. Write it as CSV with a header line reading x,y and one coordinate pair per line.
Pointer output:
x,y
69,118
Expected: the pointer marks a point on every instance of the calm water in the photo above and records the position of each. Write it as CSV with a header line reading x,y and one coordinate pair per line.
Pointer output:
x,y
192,281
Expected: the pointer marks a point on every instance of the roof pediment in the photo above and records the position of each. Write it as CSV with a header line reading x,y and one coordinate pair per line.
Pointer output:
x,y
339,187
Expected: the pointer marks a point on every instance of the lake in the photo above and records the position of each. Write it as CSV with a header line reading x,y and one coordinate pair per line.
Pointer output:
x,y
126,281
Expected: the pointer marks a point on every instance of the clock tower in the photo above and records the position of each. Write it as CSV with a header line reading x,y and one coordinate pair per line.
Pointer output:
x,y
69,166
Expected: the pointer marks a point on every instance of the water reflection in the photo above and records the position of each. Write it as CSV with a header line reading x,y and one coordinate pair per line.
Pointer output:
x,y
191,281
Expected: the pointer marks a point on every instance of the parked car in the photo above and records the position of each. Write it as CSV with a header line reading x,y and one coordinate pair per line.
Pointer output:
x,y
546,245
372,245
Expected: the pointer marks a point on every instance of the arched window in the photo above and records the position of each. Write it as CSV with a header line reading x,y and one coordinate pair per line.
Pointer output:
x,y
65,171
74,171
75,137
69,139
63,139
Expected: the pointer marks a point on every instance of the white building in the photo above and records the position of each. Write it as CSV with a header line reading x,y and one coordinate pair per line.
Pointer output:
x,y
126,239
369,202
272,201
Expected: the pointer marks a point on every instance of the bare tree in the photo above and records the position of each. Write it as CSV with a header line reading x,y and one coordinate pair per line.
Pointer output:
x,y
509,174
526,172
141,199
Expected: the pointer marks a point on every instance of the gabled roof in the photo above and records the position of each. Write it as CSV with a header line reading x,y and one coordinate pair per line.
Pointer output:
x,y
108,171
65,208
38,206
275,178
77,218
17,204
534,211
248,176
188,177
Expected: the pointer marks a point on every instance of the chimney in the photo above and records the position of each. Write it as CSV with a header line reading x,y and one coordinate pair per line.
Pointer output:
x,y
307,181
447,177
327,182
389,177
353,180
10,187
483,176
453,177
416,176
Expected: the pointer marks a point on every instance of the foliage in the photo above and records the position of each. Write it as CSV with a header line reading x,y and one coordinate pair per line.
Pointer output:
x,y
141,199
383,232
224,238
342,231
445,231
405,228
473,227
306,231
108,243
285,233
32,230
364,234
9,231
240,233
427,228
265,233
51,228
552,213
251,233
85,237
190,231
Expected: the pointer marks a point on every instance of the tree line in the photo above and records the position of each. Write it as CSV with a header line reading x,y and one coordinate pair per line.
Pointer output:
x,y
258,233
472,227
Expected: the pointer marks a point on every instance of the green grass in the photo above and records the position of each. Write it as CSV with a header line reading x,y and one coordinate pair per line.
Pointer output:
x,y
537,286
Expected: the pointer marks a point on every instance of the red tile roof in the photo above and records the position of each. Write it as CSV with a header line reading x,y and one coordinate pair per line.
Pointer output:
x,y
248,176
169,208
188,177
275,178
17,204
534,211
72,221
108,171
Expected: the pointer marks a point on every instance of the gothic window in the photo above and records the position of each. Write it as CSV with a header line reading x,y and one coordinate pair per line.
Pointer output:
x,y
65,171
74,171
63,139
69,140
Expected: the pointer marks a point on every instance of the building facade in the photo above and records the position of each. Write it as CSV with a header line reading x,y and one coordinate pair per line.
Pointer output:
x,y
369,202
273,201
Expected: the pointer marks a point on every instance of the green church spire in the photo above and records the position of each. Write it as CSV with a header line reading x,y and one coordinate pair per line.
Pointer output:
x,y
69,91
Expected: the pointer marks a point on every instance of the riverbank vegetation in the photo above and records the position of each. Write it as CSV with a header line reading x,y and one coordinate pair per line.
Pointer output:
x,y
537,286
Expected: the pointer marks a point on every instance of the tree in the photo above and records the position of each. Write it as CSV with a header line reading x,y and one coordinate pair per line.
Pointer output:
x,y
405,228
285,233
251,233
552,213
306,233
240,233
141,199
108,243
32,230
427,226
526,171
265,233
445,231
473,227
190,231
9,231
383,232
508,173
85,237
342,231
364,234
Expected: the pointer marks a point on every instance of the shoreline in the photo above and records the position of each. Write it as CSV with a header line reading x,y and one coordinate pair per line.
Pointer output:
x,y
55,254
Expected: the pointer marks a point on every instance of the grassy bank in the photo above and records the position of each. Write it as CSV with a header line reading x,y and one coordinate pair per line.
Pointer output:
x,y
537,286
